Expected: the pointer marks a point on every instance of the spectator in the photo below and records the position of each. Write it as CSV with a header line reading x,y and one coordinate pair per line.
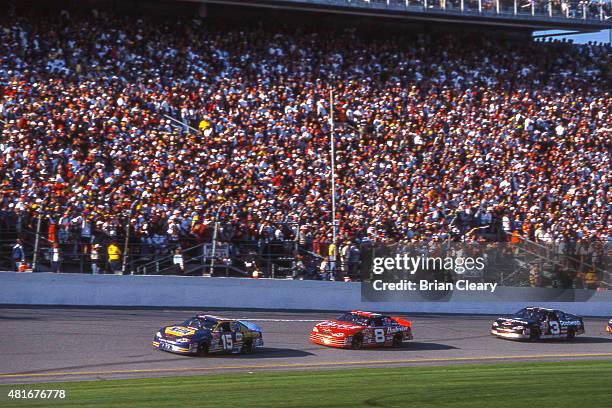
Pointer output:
x,y
114,258
95,259
55,258
18,256
434,133
177,260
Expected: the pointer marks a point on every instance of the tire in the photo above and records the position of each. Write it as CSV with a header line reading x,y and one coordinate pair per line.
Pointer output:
x,y
247,347
202,349
357,342
397,341
571,334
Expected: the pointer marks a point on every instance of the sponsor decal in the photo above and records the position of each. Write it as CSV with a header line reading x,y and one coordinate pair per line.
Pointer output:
x,y
180,331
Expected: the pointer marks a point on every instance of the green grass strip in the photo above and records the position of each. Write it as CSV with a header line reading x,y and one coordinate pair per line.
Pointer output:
x,y
576,384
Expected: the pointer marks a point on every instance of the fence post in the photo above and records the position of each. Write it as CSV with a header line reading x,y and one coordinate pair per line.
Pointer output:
x,y
36,242
214,247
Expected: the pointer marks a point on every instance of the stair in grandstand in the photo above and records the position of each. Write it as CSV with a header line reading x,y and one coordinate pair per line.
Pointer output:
x,y
549,262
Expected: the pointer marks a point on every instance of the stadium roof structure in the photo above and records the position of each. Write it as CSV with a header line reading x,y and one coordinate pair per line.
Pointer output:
x,y
583,16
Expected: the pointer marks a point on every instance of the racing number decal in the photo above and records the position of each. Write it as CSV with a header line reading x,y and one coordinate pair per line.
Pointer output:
x,y
380,335
228,343
554,327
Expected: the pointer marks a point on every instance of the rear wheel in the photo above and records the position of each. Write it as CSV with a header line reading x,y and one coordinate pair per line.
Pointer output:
x,y
397,340
247,347
202,349
357,342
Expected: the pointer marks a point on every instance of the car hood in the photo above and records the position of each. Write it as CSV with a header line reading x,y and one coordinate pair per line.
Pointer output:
x,y
336,326
182,331
514,321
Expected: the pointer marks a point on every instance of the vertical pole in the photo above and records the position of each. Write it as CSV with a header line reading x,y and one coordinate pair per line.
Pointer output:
x,y
425,4
333,175
584,11
480,6
515,8
462,5
497,6
214,244
550,8
36,242
533,7
126,242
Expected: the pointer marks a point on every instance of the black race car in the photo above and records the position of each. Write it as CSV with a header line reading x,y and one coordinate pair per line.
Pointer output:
x,y
205,334
534,323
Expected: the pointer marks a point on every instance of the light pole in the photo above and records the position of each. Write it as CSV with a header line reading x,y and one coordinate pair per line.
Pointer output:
x,y
36,241
333,176
127,238
214,240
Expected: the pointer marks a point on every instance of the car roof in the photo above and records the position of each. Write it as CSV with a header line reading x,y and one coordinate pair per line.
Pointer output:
x,y
541,309
213,318
365,314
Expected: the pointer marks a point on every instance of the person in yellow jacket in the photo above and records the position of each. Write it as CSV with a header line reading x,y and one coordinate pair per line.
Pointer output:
x,y
590,279
114,257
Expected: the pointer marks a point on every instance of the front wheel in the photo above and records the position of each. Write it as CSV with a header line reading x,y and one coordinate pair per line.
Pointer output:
x,y
357,342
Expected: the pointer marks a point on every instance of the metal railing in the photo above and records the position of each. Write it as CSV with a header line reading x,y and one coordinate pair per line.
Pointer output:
x,y
585,11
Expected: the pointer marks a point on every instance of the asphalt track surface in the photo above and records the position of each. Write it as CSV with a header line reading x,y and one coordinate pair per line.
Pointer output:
x,y
44,345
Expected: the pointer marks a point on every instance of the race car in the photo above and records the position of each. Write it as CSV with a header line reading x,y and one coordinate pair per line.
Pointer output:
x,y
358,329
534,323
609,326
205,334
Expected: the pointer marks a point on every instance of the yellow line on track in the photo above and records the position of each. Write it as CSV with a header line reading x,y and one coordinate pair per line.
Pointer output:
x,y
303,365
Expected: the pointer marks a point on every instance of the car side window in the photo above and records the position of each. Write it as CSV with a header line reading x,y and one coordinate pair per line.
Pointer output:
x,y
223,327
376,322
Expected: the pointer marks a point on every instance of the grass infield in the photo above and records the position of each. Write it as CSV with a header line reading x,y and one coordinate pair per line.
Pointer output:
x,y
585,384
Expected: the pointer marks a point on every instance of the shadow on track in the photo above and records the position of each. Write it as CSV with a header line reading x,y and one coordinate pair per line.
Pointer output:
x,y
412,346
266,352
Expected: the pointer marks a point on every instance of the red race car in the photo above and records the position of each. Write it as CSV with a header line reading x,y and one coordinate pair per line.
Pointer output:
x,y
362,329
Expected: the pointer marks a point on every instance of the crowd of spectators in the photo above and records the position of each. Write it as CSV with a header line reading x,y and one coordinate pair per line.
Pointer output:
x,y
172,124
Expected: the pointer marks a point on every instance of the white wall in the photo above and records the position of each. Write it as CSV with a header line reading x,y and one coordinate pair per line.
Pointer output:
x,y
201,293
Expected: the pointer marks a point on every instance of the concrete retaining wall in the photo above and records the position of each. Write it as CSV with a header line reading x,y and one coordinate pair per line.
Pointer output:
x,y
202,293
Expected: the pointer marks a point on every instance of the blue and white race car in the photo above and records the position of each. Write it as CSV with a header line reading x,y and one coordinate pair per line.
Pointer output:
x,y
533,323
205,334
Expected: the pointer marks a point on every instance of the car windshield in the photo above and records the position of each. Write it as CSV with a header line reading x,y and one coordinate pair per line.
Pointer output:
x,y
200,323
529,314
355,319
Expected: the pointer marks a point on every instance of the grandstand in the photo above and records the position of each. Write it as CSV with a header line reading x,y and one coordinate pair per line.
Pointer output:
x,y
214,137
